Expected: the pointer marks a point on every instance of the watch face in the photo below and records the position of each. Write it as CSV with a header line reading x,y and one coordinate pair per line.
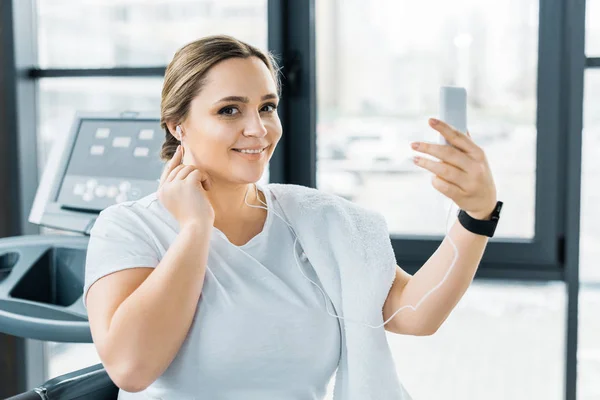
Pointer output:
x,y
496,213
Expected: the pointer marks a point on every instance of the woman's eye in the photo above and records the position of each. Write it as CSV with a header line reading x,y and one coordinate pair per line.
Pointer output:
x,y
229,111
269,107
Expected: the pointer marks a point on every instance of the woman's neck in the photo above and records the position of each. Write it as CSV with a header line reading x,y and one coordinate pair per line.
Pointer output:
x,y
229,203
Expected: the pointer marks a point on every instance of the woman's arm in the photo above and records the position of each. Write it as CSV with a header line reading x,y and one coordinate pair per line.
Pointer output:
x,y
409,290
140,317
463,175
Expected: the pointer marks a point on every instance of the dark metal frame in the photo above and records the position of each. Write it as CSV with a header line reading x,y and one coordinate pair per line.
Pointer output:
x,y
552,255
119,72
22,363
292,37
592,62
574,60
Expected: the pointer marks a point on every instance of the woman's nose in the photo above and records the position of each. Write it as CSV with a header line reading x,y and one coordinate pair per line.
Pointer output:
x,y
255,127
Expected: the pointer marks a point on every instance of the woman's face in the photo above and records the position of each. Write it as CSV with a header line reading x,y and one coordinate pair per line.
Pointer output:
x,y
235,112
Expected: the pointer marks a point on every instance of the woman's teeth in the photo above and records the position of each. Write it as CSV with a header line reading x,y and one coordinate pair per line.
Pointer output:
x,y
251,151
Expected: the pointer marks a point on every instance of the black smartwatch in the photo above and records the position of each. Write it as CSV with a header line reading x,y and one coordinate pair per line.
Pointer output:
x,y
478,226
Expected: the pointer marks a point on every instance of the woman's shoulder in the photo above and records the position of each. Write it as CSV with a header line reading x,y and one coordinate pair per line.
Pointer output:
x,y
126,207
143,212
293,190
311,200
311,209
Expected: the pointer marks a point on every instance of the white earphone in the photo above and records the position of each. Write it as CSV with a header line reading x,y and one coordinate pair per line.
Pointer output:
x,y
180,137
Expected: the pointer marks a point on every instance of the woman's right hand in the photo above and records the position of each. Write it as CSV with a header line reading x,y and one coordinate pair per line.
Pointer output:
x,y
182,190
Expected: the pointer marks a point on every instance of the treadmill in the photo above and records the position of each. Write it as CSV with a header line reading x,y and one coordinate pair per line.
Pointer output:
x,y
106,158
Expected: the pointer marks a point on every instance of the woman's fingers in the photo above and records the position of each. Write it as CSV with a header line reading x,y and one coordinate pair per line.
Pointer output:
x,y
174,172
448,172
457,139
200,177
198,174
172,164
177,170
184,172
449,154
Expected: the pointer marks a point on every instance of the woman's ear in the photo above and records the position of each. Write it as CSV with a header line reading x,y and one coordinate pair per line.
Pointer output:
x,y
175,130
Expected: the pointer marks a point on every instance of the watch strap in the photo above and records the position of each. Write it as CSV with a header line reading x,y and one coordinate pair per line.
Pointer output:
x,y
481,227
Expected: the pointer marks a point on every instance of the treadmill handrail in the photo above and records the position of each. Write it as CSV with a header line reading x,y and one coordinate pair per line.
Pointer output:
x,y
46,329
90,383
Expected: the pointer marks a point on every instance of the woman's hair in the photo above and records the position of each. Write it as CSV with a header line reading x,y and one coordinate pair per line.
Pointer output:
x,y
186,75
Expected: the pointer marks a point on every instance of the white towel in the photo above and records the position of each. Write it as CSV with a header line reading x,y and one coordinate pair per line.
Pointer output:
x,y
351,252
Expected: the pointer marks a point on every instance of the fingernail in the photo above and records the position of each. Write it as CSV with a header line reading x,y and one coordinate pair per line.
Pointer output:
x,y
178,147
415,145
433,121
416,159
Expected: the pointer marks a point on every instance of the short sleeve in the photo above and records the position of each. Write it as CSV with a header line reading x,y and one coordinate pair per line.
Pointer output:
x,y
119,240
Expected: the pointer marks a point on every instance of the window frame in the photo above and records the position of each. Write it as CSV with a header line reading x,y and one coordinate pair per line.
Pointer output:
x,y
539,258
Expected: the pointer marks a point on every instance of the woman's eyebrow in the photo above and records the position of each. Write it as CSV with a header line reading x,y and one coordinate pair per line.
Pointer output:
x,y
270,96
243,99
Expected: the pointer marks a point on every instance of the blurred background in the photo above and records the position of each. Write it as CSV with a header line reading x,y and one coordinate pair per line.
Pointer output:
x,y
376,67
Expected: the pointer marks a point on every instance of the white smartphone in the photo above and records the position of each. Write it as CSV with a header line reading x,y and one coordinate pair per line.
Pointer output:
x,y
453,108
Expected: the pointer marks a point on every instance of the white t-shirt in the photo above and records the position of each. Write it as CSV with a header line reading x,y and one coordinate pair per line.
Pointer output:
x,y
260,330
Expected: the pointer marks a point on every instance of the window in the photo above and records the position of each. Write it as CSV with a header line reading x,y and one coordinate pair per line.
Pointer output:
x,y
93,34
64,358
60,98
589,271
592,34
590,176
379,68
504,340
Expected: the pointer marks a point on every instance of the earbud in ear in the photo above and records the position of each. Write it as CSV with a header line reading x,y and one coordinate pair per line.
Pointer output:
x,y
179,134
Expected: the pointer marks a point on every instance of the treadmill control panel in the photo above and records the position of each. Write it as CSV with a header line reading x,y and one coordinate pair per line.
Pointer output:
x,y
112,162
106,159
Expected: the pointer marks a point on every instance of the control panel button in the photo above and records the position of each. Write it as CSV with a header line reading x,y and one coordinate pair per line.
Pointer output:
x,y
125,186
101,191
112,192
79,189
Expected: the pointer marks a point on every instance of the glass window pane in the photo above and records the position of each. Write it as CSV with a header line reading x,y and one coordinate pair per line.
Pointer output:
x,y
588,352
504,340
589,251
92,33
379,68
592,28
590,176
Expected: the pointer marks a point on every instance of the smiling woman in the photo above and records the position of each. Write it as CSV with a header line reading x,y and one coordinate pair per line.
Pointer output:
x,y
188,269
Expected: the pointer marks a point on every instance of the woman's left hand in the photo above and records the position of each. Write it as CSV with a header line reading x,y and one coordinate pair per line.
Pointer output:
x,y
462,174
